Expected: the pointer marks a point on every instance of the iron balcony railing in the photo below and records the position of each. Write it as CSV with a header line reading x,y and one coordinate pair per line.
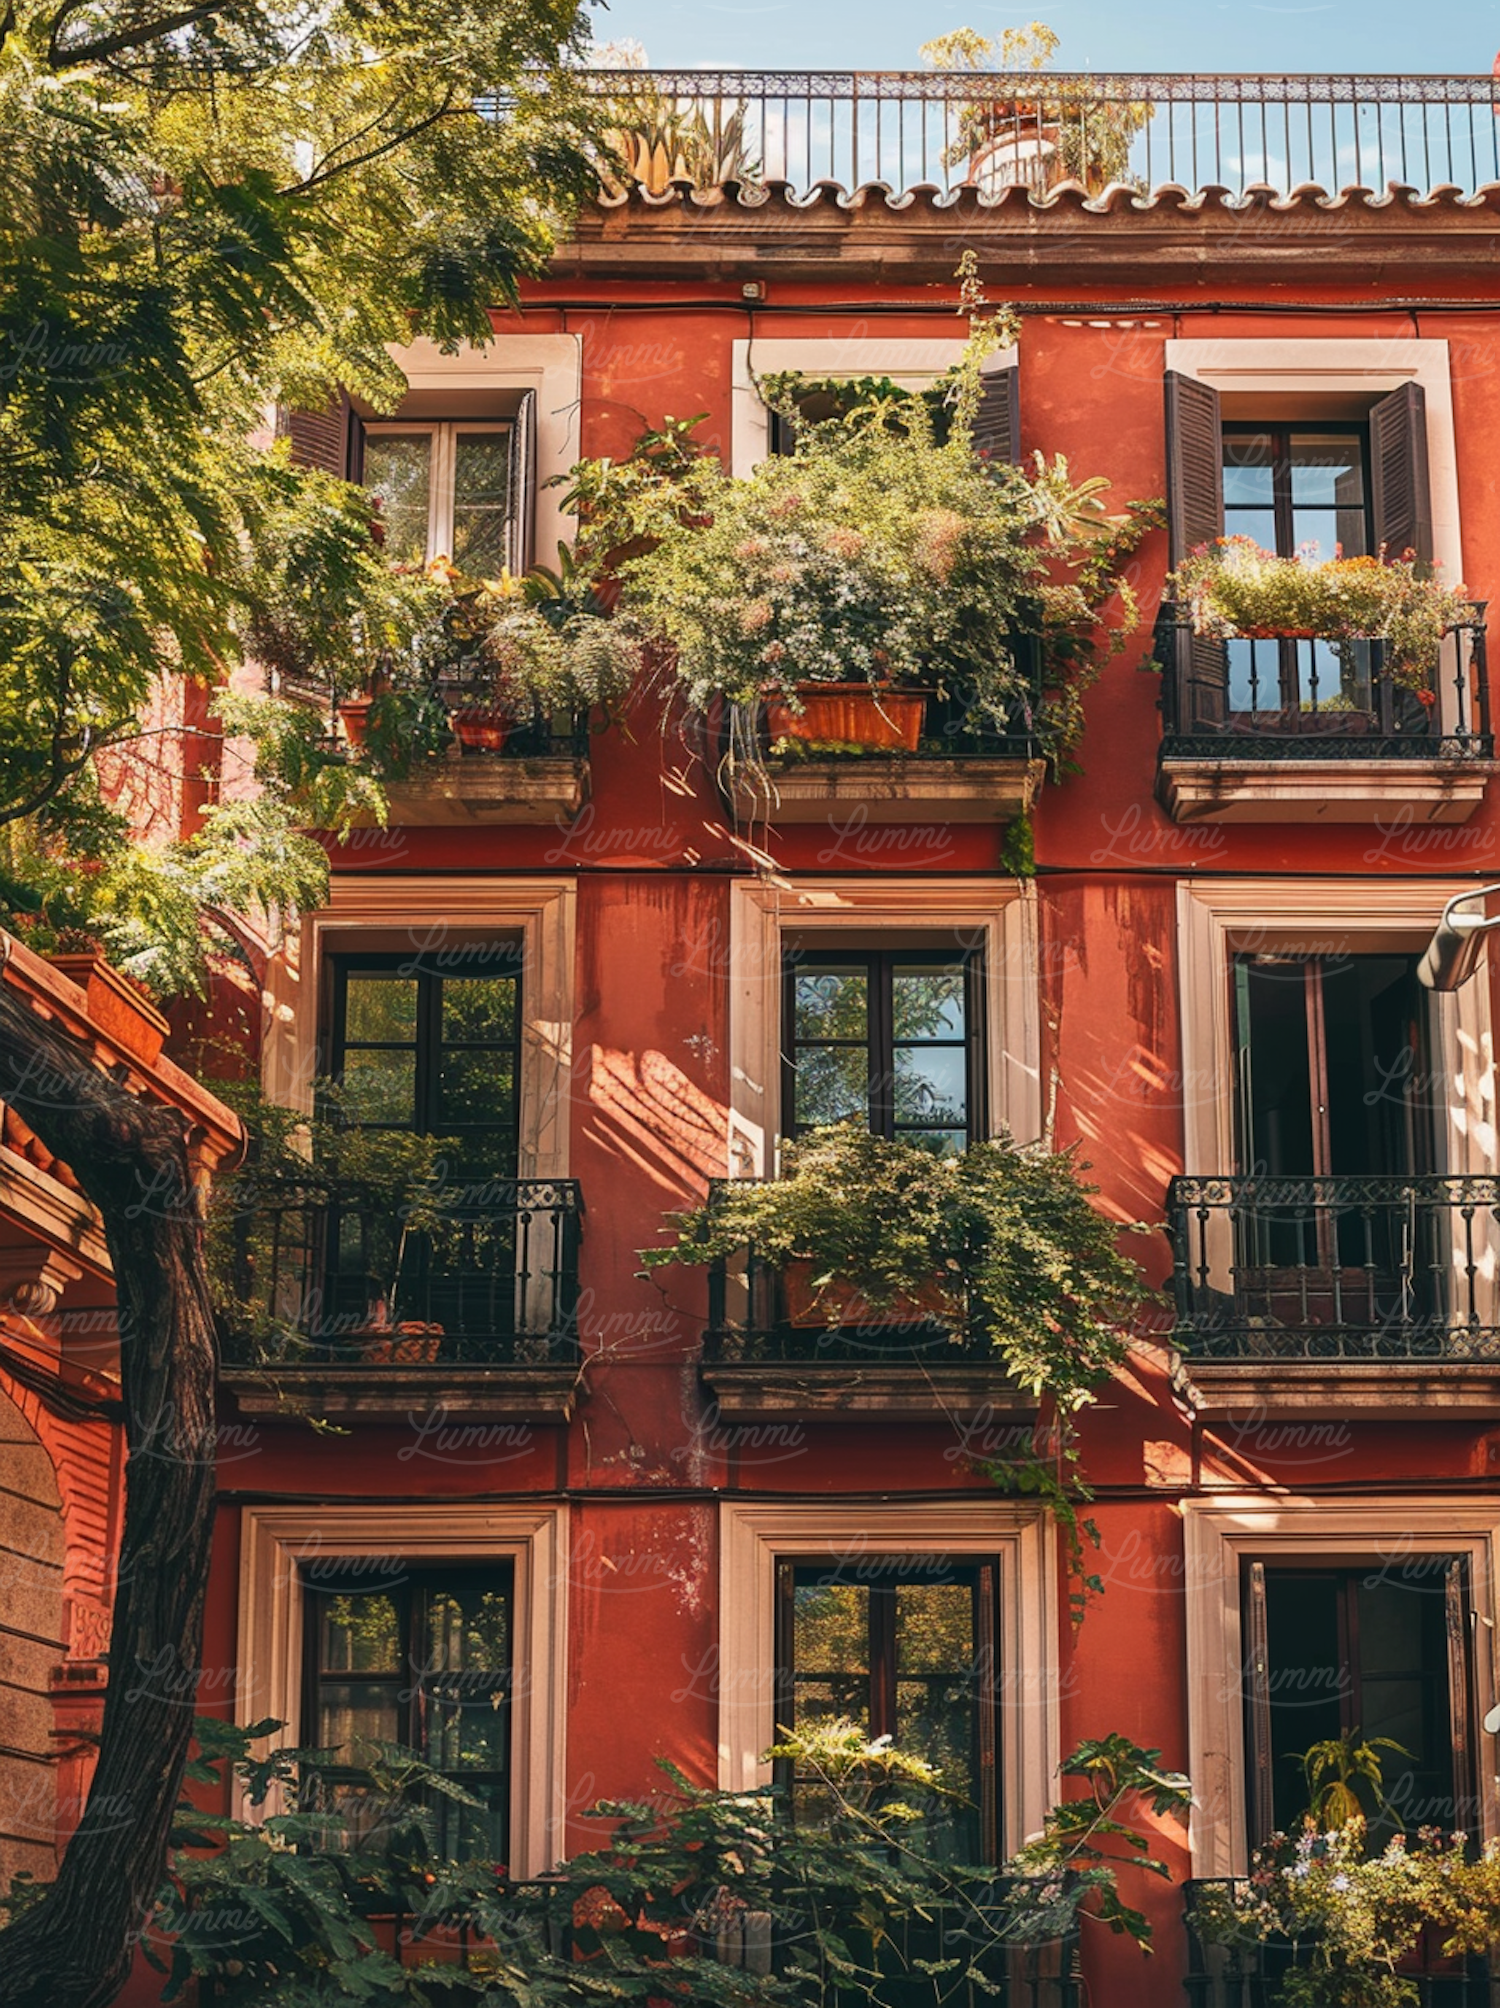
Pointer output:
x,y
1250,1972
764,1311
337,1278
1333,1268
964,129
1300,698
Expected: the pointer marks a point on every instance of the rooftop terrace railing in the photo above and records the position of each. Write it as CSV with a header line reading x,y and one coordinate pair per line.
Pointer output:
x,y
953,130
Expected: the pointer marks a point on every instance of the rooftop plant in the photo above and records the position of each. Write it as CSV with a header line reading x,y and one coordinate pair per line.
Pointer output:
x,y
1233,588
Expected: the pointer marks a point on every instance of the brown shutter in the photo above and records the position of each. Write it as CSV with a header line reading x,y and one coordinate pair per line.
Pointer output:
x,y
1460,1691
1400,493
321,439
997,424
1258,1708
520,528
1195,515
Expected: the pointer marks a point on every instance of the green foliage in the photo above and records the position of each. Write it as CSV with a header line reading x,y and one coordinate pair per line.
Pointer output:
x,y
298,1909
668,481
1003,1235
1233,587
1353,1917
1344,1776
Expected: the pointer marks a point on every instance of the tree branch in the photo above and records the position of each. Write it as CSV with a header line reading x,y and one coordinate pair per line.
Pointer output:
x,y
125,38
74,1948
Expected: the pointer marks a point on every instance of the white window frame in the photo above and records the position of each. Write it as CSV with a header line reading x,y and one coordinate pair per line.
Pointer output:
x,y
1219,1533
998,921
912,364
443,469
754,1537
277,1545
434,914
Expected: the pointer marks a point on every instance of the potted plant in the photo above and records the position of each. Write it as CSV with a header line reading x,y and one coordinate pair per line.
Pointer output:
x,y
1233,588
1002,1236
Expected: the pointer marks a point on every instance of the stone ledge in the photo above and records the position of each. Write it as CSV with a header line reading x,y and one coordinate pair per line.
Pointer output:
x,y
843,1389
479,788
1321,791
1347,1390
386,1393
906,790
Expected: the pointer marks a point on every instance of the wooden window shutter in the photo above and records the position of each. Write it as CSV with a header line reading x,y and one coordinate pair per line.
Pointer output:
x,y
520,528
997,423
1258,1709
322,439
1460,1694
1195,515
1400,491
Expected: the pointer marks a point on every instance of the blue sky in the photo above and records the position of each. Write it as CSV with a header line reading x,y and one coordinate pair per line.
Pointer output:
x,y
1388,36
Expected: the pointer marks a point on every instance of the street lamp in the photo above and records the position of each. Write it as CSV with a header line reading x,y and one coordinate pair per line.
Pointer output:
x,y
1454,950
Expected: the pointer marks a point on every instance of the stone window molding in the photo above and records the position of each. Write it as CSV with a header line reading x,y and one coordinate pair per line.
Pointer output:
x,y
753,1537
1322,916
438,914
1221,1533
278,1544
999,919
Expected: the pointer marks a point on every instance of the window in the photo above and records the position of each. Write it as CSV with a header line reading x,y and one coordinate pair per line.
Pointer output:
x,y
904,1646
1377,1649
1329,1054
890,1037
422,1659
435,1051
452,489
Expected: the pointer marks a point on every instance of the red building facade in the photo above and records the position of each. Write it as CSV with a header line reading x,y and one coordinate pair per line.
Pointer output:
x,y
1209,985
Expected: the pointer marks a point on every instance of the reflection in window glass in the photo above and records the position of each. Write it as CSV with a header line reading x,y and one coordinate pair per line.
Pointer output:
x,y
398,468
481,501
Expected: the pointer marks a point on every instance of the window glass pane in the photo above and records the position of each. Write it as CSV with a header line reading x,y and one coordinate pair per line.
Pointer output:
x,y
381,1086
831,1003
930,1086
360,1632
1257,524
1327,469
398,468
1254,676
481,501
479,1009
831,1651
1316,534
1248,475
937,1701
351,1710
475,1085
466,1676
380,1008
928,1003
833,1084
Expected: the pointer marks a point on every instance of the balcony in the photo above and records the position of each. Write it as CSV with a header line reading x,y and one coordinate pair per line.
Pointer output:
x,y
1281,730
1237,139
770,1351
1337,1295
1250,1974
956,768
539,774
481,1318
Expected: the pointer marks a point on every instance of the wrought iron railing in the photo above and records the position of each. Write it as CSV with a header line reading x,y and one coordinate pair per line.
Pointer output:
x,y
1357,1268
1249,1972
325,1277
763,1311
1300,698
958,129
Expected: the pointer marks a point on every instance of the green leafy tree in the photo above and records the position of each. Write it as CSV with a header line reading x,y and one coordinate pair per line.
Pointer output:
x,y
207,207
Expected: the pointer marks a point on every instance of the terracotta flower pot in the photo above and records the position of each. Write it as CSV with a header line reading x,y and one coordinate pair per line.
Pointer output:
x,y
411,1343
850,714
481,729
354,717
808,1309
116,1005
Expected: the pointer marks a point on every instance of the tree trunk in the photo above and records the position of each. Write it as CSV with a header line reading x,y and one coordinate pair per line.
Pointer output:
x,y
130,1156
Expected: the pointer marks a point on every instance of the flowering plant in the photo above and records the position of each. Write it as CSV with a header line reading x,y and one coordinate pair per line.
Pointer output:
x,y
1350,1917
1233,588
